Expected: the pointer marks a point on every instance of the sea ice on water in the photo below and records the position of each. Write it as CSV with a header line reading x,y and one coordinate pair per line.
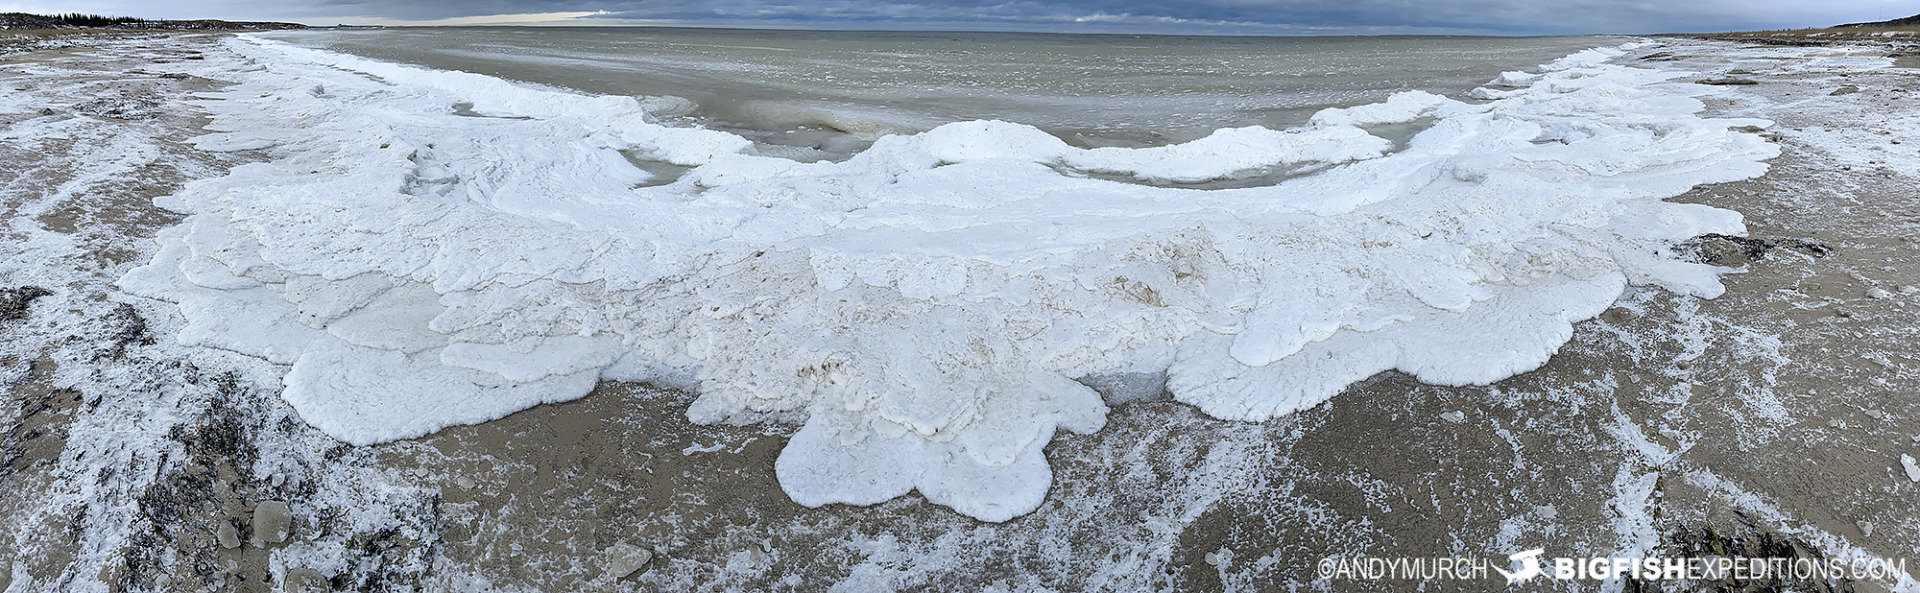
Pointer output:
x,y
430,248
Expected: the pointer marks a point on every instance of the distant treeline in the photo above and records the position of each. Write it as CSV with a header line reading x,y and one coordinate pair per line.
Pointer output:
x,y
1911,21
91,20
76,20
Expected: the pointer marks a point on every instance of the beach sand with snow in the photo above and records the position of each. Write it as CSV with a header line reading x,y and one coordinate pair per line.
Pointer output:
x,y
1782,407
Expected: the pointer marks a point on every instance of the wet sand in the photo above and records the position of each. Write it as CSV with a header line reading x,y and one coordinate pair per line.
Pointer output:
x,y
1780,408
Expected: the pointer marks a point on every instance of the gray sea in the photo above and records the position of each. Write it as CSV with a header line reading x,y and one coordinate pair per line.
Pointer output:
x,y
836,91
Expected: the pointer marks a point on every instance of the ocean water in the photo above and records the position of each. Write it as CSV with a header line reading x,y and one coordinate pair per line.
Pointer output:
x,y
925,250
836,91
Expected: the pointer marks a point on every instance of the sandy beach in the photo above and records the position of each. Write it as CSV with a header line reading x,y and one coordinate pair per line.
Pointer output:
x,y
1778,418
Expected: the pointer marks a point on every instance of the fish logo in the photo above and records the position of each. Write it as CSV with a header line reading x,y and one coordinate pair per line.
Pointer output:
x,y
1529,566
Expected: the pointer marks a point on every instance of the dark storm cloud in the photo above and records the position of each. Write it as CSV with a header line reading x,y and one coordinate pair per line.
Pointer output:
x,y
1486,16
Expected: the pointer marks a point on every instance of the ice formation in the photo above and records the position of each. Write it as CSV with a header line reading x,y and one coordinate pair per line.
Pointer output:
x,y
429,248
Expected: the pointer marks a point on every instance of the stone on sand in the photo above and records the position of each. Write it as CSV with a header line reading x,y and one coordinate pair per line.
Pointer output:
x,y
1913,469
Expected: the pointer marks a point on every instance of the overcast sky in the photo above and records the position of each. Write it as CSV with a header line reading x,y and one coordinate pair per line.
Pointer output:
x,y
1145,16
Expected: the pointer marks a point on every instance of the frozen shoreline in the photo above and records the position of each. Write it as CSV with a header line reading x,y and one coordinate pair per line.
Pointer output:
x,y
314,550
926,305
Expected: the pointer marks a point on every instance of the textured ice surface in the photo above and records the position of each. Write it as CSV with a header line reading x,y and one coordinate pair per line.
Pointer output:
x,y
429,248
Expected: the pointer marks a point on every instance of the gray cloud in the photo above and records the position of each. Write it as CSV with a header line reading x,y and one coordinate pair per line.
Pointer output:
x,y
1253,16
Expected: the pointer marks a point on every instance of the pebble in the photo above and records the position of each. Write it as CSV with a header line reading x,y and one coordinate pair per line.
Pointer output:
x,y
1455,416
1836,423
228,536
1913,469
1879,293
1866,529
272,522
463,482
1222,558
624,559
277,479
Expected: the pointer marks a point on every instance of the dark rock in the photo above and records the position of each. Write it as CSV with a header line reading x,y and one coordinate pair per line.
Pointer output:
x,y
1730,251
1845,90
1728,81
126,328
1744,539
1807,247
120,108
14,301
1723,250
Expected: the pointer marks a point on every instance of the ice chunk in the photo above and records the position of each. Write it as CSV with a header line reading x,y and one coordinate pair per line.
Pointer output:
x,y
1402,107
272,522
624,559
366,395
227,535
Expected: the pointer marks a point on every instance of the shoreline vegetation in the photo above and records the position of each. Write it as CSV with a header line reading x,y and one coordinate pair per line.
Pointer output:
x,y
14,25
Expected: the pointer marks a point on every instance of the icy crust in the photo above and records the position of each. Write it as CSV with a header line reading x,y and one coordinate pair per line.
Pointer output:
x,y
431,248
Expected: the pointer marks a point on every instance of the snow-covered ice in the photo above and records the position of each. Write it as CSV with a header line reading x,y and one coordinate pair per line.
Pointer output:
x,y
430,248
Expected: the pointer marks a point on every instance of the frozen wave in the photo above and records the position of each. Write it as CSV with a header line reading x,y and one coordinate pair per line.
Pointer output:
x,y
926,304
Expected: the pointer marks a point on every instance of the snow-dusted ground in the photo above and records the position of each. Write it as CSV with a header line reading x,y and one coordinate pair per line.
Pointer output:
x,y
382,252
